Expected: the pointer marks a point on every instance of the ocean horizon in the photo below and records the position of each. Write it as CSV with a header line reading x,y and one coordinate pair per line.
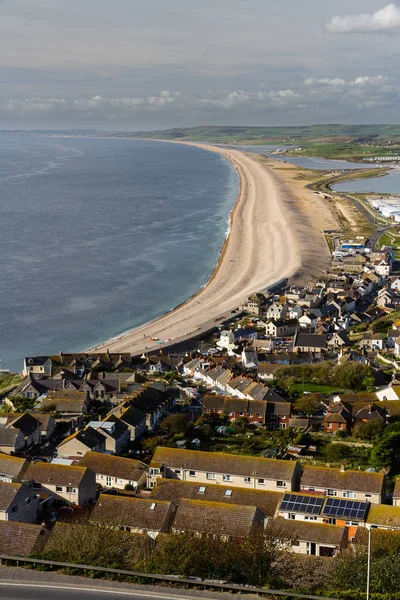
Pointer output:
x,y
100,235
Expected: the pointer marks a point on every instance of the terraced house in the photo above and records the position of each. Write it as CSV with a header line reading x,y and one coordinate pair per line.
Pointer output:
x,y
114,471
62,484
225,469
355,485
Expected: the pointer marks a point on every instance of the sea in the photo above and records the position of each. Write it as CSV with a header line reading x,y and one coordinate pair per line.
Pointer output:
x,y
100,235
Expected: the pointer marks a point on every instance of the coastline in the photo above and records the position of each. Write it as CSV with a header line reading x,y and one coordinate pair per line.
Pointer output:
x,y
262,248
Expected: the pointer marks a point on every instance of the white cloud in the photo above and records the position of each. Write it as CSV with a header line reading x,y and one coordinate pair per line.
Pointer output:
x,y
377,80
384,20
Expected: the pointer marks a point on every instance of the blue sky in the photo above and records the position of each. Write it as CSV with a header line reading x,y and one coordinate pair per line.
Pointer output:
x,y
129,64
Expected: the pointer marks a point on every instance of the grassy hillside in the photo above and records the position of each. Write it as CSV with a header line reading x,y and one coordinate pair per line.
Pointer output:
x,y
331,141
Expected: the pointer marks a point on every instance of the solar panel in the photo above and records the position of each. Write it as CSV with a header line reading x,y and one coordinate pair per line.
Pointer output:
x,y
303,504
348,509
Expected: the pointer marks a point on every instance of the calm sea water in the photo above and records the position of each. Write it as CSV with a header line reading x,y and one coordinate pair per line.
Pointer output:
x,y
100,235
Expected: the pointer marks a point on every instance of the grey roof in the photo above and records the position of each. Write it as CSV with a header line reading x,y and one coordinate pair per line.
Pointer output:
x,y
310,340
8,491
11,466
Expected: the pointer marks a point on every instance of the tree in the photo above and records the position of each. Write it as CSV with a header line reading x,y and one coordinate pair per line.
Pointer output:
x,y
386,452
369,431
175,424
308,404
336,452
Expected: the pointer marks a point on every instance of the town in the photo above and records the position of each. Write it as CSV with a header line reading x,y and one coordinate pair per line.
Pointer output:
x,y
285,419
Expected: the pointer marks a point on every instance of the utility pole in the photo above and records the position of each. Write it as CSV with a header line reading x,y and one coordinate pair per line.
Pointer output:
x,y
369,527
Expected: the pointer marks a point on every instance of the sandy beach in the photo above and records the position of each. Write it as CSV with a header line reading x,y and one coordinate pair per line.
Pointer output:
x,y
275,234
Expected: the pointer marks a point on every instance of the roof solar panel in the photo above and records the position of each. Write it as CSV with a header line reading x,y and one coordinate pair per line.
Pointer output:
x,y
348,509
303,504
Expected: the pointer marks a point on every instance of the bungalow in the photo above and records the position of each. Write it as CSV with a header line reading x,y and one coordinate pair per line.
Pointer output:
x,y
62,483
219,468
12,468
115,472
136,515
358,485
18,502
82,441
22,539
216,519
175,490
315,539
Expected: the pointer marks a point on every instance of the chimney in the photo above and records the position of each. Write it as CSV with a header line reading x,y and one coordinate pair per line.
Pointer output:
x,y
370,408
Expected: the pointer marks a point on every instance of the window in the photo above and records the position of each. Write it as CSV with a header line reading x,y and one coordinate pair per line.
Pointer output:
x,y
261,481
251,415
201,489
14,510
331,521
331,492
242,414
192,473
59,488
247,479
210,476
177,471
281,484
154,471
329,425
292,516
347,494
310,518
71,490
368,495
108,480
353,523
36,486
153,506
227,477
118,480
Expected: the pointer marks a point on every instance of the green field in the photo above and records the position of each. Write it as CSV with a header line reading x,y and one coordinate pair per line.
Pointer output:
x,y
312,387
352,142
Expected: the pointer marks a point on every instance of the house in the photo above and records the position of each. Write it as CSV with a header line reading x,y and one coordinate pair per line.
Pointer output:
x,y
390,392
276,311
281,328
372,341
69,404
175,490
226,340
136,515
115,472
338,418
216,519
245,333
266,371
60,484
397,346
11,441
314,539
22,539
392,336
384,516
357,485
249,358
339,340
396,492
82,441
27,431
253,410
18,502
12,468
309,342
135,420
309,320
37,364
395,285
115,431
219,468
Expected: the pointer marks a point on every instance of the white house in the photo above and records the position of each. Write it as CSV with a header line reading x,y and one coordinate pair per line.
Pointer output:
x,y
389,393
395,285
309,320
226,340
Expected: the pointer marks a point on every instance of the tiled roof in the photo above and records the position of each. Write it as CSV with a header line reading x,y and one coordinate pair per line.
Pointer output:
x,y
7,493
304,531
114,466
11,466
216,518
140,513
132,416
19,539
88,436
220,462
384,514
174,490
8,437
358,481
47,473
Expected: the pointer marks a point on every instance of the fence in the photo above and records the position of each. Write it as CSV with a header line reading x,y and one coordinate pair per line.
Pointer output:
x,y
153,578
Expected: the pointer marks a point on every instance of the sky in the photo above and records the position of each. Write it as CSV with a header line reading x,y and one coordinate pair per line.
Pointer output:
x,y
155,64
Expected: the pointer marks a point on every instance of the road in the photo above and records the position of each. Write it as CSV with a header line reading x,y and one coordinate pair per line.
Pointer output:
x,y
39,591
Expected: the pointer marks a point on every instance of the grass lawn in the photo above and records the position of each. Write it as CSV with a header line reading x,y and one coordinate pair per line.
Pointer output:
x,y
8,382
313,387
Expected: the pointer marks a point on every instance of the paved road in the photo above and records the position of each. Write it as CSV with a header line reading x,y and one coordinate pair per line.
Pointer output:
x,y
39,591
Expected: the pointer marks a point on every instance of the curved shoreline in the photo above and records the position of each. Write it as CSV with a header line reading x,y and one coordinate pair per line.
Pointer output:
x,y
260,250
